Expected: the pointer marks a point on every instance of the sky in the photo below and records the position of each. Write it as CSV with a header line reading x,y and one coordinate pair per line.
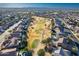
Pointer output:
x,y
46,5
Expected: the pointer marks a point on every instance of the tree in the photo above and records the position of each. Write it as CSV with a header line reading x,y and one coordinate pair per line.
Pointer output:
x,y
78,24
74,49
69,40
41,52
22,45
47,41
53,23
44,41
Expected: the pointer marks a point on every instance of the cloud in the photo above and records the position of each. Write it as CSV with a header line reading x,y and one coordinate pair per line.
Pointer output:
x,y
13,5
